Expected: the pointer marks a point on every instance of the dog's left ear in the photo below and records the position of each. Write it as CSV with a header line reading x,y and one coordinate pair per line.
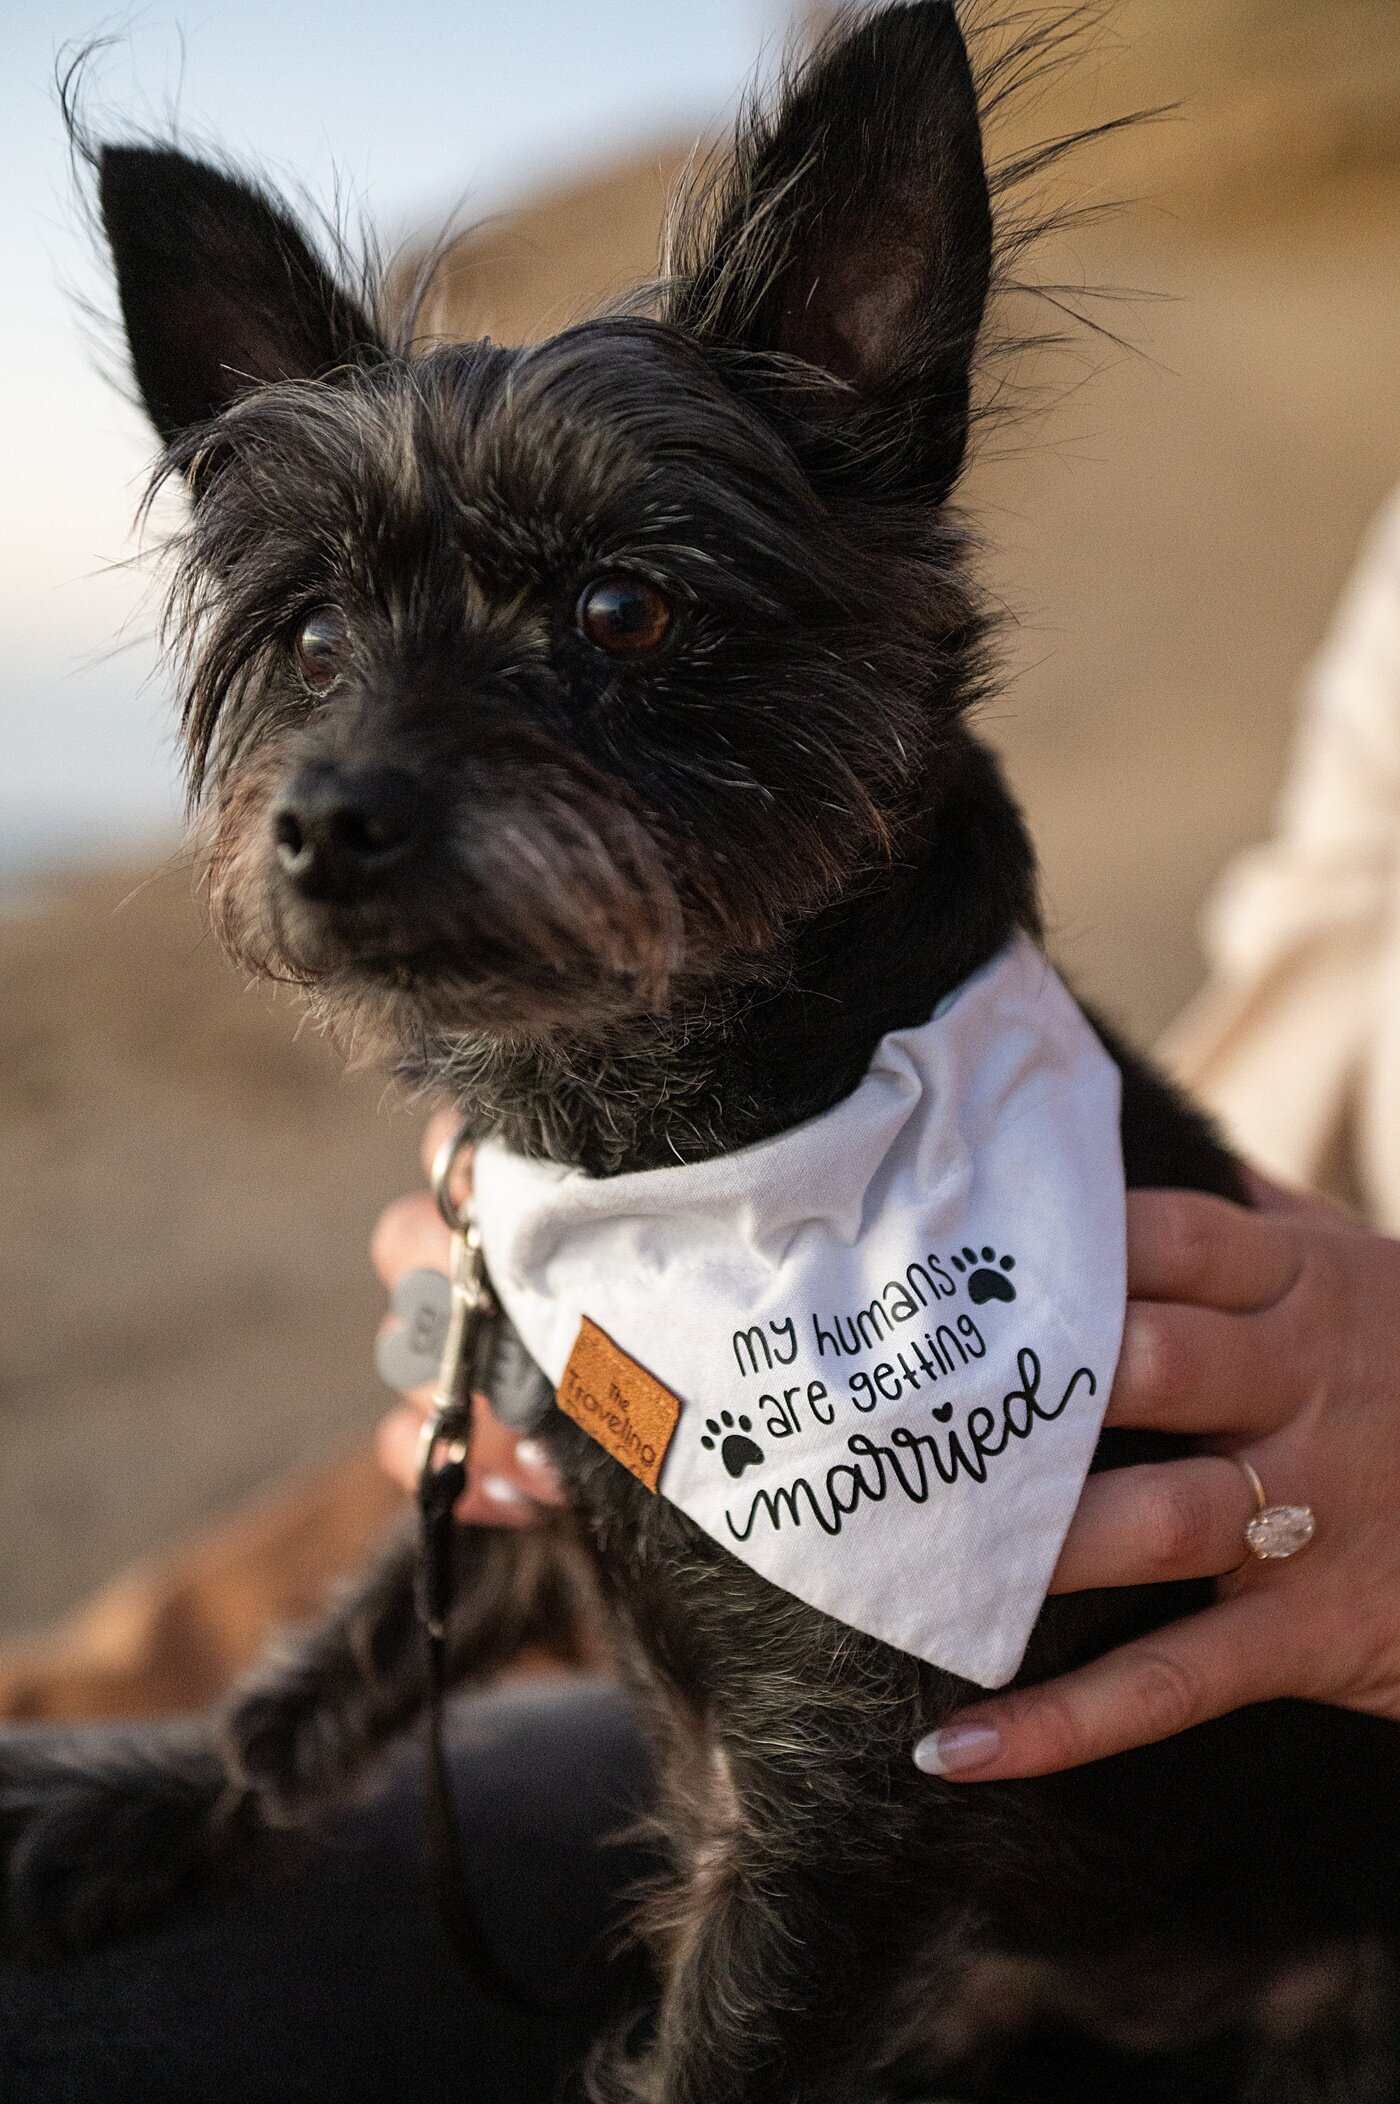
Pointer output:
x,y
854,232
220,290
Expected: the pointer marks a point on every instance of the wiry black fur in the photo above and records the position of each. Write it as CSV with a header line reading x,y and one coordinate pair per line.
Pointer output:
x,y
657,908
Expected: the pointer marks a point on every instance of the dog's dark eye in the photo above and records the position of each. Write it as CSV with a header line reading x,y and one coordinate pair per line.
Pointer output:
x,y
625,616
323,648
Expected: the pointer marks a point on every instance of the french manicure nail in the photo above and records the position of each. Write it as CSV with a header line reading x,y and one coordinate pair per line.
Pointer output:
x,y
502,1491
957,1749
530,1453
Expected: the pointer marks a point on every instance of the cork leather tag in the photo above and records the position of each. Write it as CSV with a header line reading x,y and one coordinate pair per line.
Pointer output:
x,y
618,1403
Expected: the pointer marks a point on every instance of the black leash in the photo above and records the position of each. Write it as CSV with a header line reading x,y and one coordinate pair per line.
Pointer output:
x,y
443,1469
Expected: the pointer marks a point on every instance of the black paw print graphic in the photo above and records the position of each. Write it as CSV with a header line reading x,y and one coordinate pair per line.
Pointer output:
x,y
986,1284
736,1450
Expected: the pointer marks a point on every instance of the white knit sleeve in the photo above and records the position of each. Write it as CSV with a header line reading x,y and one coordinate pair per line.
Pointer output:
x,y
1299,927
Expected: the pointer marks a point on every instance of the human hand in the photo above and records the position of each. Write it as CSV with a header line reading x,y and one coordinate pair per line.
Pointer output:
x,y
509,1477
1274,1335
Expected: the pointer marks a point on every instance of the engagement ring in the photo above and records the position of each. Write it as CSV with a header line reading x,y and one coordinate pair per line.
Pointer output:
x,y
1275,1531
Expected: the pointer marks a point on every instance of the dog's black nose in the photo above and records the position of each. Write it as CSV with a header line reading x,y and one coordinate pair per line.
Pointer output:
x,y
339,833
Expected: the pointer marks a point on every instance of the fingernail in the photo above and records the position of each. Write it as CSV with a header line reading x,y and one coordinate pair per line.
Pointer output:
x,y
502,1491
530,1454
399,1432
957,1748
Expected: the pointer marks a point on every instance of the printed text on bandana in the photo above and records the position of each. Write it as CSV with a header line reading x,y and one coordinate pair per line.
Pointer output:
x,y
826,1370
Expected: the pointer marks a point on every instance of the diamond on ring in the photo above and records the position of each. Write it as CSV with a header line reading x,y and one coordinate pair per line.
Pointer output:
x,y
1275,1531
1279,1531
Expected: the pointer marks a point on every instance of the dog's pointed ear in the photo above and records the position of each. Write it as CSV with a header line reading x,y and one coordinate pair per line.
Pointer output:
x,y
219,289
854,231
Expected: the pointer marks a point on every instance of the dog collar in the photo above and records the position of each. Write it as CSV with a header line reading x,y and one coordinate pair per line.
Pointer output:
x,y
869,1356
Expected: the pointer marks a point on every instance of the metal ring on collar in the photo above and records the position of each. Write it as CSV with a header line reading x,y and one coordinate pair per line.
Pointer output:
x,y
444,1162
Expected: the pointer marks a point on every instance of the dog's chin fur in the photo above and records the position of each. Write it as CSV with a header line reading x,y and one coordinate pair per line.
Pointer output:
x,y
496,988
554,908
583,1071
425,1029
558,933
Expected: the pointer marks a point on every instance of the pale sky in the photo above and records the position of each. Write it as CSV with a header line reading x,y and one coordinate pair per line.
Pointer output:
x,y
409,107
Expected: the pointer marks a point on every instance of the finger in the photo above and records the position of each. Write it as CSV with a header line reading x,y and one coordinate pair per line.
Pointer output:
x,y
1145,1691
491,1499
528,1465
409,1235
440,1128
1189,1246
1271,1197
396,1445
1190,1369
1142,1526
536,1474
500,1491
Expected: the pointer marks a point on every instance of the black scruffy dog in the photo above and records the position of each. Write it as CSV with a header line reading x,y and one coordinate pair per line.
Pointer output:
x,y
585,729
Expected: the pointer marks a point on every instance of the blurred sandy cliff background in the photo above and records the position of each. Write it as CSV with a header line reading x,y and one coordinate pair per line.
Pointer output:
x,y
187,1184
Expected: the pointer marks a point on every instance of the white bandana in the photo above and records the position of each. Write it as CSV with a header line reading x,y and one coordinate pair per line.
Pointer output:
x,y
869,1356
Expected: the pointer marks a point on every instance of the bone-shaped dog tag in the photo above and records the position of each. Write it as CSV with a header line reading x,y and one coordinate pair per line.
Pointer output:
x,y
410,1355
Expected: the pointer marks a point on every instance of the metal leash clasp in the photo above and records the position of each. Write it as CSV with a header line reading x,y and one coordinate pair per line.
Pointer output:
x,y
445,1446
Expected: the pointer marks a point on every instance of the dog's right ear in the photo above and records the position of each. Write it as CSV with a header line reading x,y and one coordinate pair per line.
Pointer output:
x,y
853,232
219,290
